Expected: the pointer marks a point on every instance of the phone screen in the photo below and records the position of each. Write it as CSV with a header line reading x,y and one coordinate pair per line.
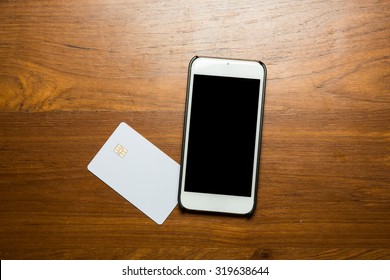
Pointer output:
x,y
222,135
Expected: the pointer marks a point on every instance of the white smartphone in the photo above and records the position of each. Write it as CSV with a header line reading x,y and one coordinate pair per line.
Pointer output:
x,y
222,135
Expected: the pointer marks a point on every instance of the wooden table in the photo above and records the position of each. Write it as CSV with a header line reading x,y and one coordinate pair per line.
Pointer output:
x,y
71,71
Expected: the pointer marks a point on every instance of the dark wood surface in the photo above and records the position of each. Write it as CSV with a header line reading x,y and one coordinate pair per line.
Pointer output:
x,y
71,71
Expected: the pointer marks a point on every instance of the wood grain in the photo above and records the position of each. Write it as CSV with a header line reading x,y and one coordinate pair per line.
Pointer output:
x,y
70,71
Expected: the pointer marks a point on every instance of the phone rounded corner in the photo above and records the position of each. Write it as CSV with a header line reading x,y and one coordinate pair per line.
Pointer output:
x,y
180,202
263,66
252,211
182,207
193,59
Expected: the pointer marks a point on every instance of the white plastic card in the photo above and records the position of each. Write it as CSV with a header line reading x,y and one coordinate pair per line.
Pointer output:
x,y
138,171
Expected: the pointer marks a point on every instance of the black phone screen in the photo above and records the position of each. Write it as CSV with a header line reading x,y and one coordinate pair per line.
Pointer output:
x,y
222,135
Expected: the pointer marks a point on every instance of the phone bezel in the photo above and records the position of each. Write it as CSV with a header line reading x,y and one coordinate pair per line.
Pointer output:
x,y
226,68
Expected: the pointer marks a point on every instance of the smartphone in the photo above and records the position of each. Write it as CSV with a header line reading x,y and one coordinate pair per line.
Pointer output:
x,y
222,135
